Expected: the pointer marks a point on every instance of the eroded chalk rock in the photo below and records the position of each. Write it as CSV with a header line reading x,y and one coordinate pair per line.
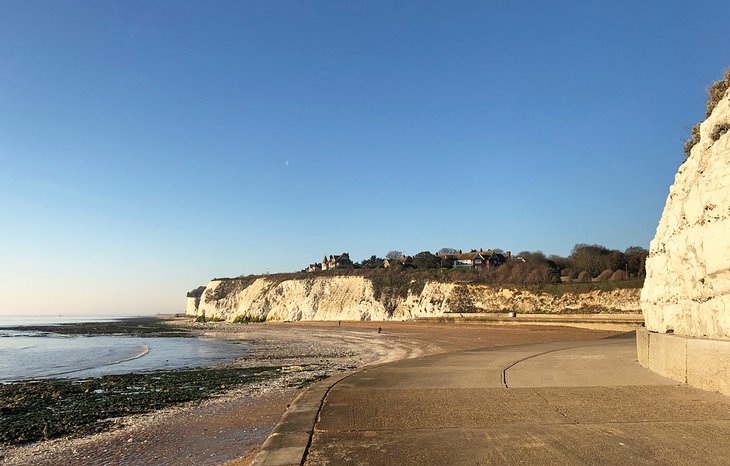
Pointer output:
x,y
358,298
687,287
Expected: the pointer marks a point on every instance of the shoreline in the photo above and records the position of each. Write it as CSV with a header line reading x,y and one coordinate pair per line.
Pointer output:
x,y
239,419
143,326
88,350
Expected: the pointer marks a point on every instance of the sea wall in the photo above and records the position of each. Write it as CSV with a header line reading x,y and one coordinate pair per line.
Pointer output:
x,y
360,298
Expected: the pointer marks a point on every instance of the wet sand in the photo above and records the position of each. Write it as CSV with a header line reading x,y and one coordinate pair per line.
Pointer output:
x,y
231,428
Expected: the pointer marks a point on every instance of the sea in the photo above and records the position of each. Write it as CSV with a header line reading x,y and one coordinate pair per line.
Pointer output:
x,y
33,355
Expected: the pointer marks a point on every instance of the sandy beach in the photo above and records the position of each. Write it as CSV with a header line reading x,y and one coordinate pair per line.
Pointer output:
x,y
229,429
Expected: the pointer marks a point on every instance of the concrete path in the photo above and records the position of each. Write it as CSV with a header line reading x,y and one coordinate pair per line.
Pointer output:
x,y
558,403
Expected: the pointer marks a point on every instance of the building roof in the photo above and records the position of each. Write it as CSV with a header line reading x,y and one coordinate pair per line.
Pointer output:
x,y
468,256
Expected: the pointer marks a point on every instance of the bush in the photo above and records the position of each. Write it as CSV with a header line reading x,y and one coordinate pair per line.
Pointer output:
x,y
715,93
692,141
719,130
605,275
246,319
618,275
197,292
583,277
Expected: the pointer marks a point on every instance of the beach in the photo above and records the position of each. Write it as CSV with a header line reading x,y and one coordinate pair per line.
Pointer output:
x,y
230,427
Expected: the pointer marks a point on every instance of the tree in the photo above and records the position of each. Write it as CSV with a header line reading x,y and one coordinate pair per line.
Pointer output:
x,y
563,264
590,258
636,260
426,260
616,260
393,255
372,263
536,257
533,267
445,251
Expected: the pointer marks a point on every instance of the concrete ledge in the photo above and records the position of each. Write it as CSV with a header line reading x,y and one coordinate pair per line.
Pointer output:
x,y
702,363
288,442
668,356
607,321
642,347
708,364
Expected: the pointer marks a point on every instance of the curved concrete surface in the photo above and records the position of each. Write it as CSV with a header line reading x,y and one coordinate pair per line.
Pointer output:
x,y
557,403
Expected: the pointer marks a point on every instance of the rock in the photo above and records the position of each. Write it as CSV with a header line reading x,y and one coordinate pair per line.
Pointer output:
x,y
687,287
355,298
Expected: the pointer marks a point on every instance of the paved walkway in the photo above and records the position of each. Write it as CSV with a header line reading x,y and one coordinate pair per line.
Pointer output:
x,y
558,403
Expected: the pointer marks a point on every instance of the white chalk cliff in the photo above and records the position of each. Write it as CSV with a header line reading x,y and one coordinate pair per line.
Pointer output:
x,y
355,298
687,288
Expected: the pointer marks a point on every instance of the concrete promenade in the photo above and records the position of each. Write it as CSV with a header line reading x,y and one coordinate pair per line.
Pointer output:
x,y
556,403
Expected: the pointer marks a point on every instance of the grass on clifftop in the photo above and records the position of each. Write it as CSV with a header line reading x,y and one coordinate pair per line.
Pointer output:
x,y
715,93
558,289
389,285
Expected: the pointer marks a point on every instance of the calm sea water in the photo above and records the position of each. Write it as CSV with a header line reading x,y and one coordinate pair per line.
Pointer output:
x,y
50,319
28,355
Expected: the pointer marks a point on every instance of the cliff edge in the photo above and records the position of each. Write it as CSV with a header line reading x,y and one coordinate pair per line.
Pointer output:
x,y
362,298
686,294
687,286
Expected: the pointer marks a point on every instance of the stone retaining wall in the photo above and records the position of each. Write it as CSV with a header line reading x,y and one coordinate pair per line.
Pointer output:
x,y
700,362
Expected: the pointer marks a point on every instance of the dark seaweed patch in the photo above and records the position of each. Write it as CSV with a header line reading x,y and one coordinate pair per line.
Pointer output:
x,y
39,410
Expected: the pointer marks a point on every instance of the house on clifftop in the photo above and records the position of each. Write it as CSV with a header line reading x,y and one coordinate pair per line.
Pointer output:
x,y
405,262
469,260
316,267
337,262
477,259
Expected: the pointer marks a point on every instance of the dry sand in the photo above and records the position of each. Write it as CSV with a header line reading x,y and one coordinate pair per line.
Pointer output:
x,y
232,428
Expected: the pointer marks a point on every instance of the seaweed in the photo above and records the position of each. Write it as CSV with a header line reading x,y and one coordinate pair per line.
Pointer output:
x,y
40,410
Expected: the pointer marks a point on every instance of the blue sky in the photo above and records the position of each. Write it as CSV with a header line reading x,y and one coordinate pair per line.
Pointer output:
x,y
146,147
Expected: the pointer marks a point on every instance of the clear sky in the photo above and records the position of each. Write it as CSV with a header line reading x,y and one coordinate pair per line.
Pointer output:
x,y
148,146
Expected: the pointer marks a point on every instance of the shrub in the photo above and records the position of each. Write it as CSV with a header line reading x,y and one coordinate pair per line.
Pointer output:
x,y
538,274
245,319
618,275
716,92
719,130
197,292
583,277
229,286
605,275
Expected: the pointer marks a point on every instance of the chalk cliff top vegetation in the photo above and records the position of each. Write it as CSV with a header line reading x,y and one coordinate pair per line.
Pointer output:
x,y
715,93
589,267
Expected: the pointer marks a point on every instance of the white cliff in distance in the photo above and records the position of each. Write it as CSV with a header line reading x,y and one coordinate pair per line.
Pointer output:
x,y
359,298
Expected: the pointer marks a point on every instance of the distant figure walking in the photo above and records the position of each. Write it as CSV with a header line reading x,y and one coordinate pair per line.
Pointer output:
x,y
380,329
339,322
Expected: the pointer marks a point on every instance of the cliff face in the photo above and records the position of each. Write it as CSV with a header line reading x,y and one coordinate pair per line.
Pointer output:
x,y
687,288
356,298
